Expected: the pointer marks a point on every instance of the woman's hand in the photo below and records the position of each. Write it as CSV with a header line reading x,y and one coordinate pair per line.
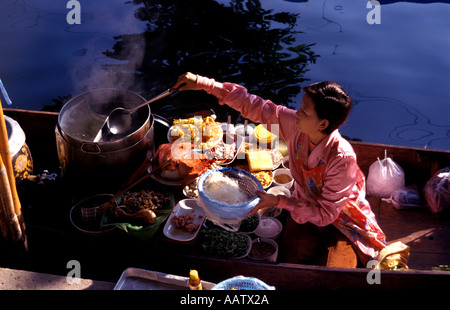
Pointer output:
x,y
190,79
266,201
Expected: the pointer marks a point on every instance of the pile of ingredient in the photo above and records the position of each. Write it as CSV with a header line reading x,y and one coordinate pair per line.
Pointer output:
x,y
282,179
144,199
223,243
186,222
220,187
261,250
138,208
249,224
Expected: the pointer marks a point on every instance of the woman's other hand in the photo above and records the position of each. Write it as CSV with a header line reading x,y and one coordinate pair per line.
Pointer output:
x,y
189,79
266,201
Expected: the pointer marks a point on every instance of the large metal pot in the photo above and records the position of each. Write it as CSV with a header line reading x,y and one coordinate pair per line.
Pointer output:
x,y
107,164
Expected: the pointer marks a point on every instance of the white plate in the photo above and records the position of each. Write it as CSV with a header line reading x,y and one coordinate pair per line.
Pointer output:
x,y
184,207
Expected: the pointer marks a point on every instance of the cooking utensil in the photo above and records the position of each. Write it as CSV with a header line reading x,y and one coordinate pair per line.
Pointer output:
x,y
119,120
104,166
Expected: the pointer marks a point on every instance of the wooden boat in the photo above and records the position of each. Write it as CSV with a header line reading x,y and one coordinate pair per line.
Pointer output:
x,y
53,241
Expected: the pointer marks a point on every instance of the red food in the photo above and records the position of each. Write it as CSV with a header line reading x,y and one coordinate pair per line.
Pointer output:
x,y
186,165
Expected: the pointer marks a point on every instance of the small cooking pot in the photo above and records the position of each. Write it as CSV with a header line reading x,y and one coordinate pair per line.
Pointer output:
x,y
109,163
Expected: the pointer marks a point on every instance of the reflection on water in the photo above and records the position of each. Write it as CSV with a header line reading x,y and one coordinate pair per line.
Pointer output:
x,y
396,72
240,42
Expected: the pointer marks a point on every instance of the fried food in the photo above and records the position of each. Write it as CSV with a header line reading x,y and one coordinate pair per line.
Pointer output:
x,y
202,132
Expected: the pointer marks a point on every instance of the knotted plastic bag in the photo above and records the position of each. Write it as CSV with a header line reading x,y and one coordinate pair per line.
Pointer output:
x,y
437,191
406,198
385,177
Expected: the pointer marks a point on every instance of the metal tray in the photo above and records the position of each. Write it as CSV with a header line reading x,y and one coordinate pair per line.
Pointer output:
x,y
141,279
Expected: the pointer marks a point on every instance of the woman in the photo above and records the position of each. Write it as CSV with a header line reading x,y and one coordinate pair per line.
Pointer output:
x,y
330,221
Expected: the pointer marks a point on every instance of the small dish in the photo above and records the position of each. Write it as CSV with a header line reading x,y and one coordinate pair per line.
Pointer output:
x,y
264,176
260,250
285,162
279,190
239,129
190,190
283,171
185,208
229,140
249,224
269,228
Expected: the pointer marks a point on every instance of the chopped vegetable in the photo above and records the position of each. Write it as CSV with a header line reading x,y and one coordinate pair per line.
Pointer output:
x,y
223,243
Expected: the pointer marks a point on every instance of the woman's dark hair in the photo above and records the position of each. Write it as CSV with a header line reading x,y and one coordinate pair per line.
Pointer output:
x,y
331,103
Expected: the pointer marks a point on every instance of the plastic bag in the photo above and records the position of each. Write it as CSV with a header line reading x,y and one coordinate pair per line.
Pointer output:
x,y
406,198
393,257
385,177
437,191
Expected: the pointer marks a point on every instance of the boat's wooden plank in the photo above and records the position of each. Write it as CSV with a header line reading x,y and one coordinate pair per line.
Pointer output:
x,y
290,276
426,261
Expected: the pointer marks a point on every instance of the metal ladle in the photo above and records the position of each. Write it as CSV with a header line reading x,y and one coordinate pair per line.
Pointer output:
x,y
119,120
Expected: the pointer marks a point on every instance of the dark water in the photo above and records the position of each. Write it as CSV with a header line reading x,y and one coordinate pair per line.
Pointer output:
x,y
397,72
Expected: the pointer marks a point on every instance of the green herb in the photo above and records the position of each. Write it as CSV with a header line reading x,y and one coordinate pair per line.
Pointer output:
x,y
249,223
223,243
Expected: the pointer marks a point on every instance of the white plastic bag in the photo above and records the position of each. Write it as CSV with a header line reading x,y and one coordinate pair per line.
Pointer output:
x,y
385,177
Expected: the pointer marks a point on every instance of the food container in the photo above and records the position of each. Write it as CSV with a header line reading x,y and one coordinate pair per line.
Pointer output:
x,y
240,130
282,175
22,161
265,177
222,243
109,163
250,224
221,213
191,211
242,283
264,249
285,162
269,227
279,190
228,128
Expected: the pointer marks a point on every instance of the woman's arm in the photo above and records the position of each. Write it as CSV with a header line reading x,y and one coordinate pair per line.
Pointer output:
x,y
236,96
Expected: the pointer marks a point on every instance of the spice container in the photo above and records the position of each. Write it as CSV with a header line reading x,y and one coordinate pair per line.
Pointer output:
x,y
194,281
264,249
283,177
